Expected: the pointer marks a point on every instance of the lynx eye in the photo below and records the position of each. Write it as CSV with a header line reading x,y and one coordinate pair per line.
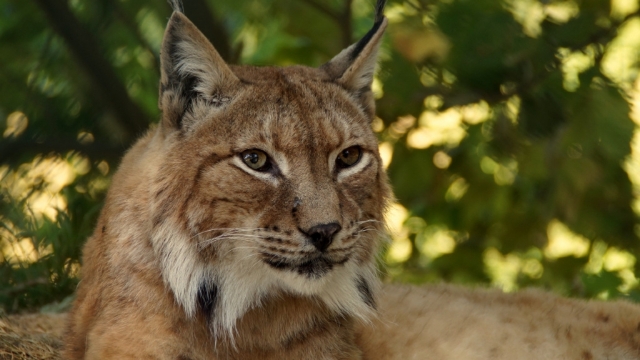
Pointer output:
x,y
256,159
349,157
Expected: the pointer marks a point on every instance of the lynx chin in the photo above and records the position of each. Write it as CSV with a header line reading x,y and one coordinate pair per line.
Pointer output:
x,y
246,224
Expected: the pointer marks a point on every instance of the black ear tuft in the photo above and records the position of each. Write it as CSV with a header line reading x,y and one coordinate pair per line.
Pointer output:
x,y
353,67
380,10
359,46
176,5
183,83
379,17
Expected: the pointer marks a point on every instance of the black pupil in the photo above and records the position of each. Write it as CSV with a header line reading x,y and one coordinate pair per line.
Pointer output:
x,y
350,156
253,158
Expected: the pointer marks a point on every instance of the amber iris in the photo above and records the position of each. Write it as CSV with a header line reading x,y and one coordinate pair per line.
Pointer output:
x,y
349,157
256,159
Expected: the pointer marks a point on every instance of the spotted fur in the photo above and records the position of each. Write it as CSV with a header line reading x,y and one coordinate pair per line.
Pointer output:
x,y
198,251
197,255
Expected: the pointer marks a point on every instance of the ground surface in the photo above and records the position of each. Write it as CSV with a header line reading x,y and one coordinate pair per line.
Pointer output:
x,y
33,336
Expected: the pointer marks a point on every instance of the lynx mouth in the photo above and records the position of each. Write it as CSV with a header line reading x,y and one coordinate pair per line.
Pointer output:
x,y
313,268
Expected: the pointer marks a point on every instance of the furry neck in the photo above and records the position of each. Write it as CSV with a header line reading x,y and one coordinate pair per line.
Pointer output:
x,y
291,327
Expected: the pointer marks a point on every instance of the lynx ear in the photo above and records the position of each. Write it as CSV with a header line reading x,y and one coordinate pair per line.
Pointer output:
x,y
354,66
192,73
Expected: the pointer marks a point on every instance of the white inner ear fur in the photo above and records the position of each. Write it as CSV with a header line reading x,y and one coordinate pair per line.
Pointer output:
x,y
359,73
358,77
196,61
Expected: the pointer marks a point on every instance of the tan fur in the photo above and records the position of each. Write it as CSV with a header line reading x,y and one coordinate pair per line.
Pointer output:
x,y
447,322
198,256
186,221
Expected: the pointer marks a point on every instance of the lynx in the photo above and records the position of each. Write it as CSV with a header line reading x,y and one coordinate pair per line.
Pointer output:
x,y
246,224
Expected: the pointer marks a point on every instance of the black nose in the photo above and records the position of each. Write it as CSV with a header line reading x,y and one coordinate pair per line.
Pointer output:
x,y
322,235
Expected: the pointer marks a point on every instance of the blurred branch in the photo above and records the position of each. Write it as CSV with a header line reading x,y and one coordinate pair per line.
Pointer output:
x,y
131,25
204,18
628,17
606,34
452,97
323,9
22,287
84,47
11,150
343,18
345,23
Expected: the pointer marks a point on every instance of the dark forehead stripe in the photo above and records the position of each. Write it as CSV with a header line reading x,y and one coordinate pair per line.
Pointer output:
x,y
306,112
167,199
340,112
207,163
321,132
298,106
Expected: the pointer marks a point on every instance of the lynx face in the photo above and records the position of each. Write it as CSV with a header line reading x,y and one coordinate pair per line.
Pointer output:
x,y
287,178
269,179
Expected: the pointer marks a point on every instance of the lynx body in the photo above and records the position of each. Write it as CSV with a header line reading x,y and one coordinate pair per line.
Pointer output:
x,y
246,224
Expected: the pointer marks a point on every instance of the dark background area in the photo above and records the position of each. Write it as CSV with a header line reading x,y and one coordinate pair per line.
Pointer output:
x,y
508,128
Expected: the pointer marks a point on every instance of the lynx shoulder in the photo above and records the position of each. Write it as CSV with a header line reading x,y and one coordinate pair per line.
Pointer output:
x,y
246,224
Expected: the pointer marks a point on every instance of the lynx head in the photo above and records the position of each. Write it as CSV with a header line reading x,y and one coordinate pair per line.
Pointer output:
x,y
268,180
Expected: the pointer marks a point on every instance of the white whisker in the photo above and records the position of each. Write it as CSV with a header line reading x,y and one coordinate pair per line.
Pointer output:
x,y
239,247
368,221
227,230
227,236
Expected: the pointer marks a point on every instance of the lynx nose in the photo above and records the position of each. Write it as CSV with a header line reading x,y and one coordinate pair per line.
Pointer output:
x,y
322,235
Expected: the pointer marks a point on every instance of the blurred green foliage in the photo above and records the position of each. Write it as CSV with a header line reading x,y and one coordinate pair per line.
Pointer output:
x,y
509,126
